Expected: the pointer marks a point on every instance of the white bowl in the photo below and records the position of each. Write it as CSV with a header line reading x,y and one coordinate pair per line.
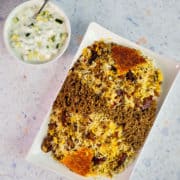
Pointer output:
x,y
7,26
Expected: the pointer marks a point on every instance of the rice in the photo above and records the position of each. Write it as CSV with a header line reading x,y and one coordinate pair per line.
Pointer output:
x,y
104,111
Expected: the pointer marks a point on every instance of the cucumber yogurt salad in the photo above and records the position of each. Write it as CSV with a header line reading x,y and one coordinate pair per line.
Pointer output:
x,y
37,39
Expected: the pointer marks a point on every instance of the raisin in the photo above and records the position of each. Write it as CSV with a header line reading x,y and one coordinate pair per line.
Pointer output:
x,y
46,144
147,102
130,76
70,143
90,135
75,127
115,134
52,126
64,117
93,57
97,97
98,160
113,68
67,101
119,92
121,159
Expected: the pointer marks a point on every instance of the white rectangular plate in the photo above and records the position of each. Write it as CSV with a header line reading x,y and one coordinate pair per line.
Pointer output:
x,y
95,32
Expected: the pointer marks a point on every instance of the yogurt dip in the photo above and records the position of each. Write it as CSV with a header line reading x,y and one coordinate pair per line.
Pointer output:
x,y
37,39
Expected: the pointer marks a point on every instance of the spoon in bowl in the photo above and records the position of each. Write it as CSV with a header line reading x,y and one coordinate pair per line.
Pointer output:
x,y
42,7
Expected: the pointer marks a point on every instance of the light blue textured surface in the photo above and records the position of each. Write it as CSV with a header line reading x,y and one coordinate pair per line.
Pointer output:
x,y
27,91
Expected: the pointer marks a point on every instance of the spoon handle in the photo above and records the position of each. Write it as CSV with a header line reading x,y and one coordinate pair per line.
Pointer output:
x,y
45,2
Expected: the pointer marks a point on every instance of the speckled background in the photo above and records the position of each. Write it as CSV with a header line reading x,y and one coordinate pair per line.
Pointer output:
x,y
26,91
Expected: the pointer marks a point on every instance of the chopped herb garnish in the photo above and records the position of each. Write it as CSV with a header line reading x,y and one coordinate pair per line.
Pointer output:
x,y
50,16
27,34
59,21
16,19
32,24
44,13
63,35
57,45
47,47
53,38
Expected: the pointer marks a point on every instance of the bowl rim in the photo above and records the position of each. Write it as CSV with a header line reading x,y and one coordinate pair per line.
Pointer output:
x,y
7,24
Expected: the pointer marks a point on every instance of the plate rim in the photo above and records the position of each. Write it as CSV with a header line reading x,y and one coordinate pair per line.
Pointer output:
x,y
91,26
